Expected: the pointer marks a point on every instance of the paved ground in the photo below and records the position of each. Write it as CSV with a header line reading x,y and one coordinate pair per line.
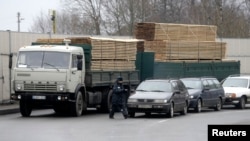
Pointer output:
x,y
8,108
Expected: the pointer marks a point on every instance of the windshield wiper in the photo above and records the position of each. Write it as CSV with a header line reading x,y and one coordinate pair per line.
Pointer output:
x,y
189,88
157,91
141,90
52,66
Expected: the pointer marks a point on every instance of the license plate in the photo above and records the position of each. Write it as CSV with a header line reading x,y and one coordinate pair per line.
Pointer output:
x,y
145,106
38,97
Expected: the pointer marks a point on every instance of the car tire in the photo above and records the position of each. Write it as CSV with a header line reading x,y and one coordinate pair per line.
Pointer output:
x,y
185,108
242,103
197,109
218,105
170,113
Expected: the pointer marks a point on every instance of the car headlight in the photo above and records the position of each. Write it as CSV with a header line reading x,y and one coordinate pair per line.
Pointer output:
x,y
132,100
161,101
230,95
61,88
191,96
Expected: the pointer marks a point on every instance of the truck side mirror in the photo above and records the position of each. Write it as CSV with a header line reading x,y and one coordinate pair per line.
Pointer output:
x,y
79,57
10,60
79,62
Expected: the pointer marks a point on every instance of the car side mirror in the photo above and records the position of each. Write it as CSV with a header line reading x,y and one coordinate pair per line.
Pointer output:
x,y
177,92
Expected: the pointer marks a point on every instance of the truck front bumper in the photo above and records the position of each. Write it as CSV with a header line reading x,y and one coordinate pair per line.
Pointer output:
x,y
43,97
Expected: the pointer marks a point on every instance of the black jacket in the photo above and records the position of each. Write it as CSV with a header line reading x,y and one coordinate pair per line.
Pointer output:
x,y
119,94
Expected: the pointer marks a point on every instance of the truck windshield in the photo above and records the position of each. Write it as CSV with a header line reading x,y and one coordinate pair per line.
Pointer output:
x,y
42,59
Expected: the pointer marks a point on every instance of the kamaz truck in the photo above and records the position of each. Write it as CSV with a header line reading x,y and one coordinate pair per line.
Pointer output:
x,y
58,77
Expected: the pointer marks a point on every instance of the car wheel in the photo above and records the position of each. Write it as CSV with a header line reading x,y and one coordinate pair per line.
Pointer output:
x,y
131,114
197,109
218,105
184,111
170,113
242,103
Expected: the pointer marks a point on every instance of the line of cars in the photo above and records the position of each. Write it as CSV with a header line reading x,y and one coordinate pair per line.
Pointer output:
x,y
169,96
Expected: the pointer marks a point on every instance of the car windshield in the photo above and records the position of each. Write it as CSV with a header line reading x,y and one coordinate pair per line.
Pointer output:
x,y
235,82
192,84
41,59
155,86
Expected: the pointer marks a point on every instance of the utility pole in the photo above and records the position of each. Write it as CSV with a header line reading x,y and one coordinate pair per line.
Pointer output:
x,y
53,18
19,20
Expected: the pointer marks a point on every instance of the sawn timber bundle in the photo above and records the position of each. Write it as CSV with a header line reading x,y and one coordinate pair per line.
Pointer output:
x,y
106,53
181,41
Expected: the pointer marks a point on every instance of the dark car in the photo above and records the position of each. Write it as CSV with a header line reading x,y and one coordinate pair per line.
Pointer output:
x,y
204,92
159,96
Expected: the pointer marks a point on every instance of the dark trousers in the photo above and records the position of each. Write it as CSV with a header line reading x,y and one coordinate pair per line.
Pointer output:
x,y
118,108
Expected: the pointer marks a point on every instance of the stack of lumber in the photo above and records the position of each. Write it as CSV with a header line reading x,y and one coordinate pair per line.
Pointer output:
x,y
113,54
175,32
186,50
107,53
181,41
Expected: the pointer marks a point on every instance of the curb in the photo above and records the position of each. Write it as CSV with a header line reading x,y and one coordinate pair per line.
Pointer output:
x,y
9,111
9,108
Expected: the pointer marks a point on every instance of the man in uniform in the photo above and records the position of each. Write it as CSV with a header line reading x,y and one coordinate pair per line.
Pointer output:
x,y
119,99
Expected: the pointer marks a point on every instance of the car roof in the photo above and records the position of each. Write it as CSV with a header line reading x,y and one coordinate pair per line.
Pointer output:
x,y
246,76
160,80
198,78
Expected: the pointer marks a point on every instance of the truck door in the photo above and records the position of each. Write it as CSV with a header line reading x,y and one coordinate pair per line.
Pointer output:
x,y
75,73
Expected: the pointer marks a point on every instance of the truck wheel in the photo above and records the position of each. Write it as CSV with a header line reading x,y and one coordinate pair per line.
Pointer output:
x,y
105,102
25,108
78,106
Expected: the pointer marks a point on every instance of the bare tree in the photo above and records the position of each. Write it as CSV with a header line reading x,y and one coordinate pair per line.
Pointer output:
x,y
41,24
88,9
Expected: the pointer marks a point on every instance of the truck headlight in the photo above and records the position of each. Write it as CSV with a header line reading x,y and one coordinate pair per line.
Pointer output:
x,y
61,88
18,87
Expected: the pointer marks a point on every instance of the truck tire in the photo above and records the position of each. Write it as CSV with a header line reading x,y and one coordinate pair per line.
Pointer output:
x,y
78,106
105,102
25,108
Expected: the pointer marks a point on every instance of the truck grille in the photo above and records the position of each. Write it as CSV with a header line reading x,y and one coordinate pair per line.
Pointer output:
x,y
40,87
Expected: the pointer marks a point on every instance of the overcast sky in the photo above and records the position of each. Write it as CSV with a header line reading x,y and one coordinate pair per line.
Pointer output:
x,y
28,9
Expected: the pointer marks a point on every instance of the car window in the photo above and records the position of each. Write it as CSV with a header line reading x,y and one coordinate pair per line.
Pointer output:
x,y
154,86
192,84
217,83
211,84
235,82
181,86
175,86
205,84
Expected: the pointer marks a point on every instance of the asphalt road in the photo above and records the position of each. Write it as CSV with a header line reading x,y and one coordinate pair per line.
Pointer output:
x,y
44,125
